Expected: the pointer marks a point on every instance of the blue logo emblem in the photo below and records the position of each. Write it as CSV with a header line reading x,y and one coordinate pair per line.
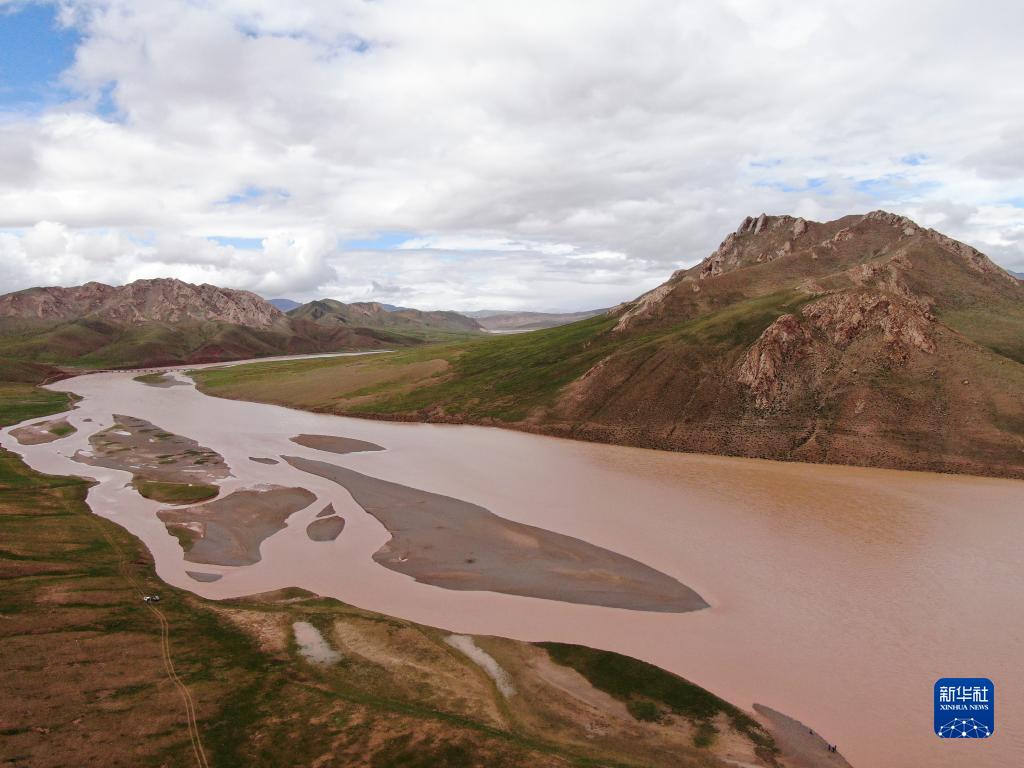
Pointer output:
x,y
965,708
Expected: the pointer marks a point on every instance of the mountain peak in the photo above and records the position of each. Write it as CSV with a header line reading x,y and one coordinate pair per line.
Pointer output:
x,y
880,249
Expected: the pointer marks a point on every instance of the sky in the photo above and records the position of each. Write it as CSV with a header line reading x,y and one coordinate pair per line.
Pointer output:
x,y
546,155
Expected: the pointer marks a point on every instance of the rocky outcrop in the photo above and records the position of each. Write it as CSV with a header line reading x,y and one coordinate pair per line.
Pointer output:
x,y
643,308
764,368
776,364
748,245
843,317
160,300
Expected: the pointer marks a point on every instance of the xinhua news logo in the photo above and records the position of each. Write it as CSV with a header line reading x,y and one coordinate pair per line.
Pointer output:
x,y
965,708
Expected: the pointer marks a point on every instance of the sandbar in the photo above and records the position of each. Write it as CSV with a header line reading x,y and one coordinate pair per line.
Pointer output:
x,y
335,444
162,380
43,432
151,453
263,460
204,577
454,544
800,746
325,528
229,531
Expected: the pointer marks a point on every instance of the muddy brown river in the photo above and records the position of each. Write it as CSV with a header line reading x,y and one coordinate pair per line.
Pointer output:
x,y
837,595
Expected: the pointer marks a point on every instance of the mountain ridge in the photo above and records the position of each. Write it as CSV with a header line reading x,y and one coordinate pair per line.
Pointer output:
x,y
371,314
516,320
165,321
160,299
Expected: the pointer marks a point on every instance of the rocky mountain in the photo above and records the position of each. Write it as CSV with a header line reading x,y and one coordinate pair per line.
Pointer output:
x,y
508,321
412,322
167,321
865,340
161,300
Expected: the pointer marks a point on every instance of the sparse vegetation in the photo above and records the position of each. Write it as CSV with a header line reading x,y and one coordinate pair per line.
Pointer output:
x,y
636,682
62,429
150,378
175,493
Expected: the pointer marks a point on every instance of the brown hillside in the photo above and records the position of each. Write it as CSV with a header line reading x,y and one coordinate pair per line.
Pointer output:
x,y
898,347
161,300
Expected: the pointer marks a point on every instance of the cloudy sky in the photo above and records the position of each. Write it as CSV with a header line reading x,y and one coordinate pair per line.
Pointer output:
x,y
447,154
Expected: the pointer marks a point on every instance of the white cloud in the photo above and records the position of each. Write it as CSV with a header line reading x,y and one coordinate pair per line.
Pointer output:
x,y
567,154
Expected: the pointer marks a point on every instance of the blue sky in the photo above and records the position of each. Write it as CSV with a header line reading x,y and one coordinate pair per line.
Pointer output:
x,y
34,51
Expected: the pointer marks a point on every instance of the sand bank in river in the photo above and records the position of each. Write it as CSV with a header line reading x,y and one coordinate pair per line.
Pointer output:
x,y
162,380
325,528
457,545
43,432
335,444
229,531
203,577
263,460
799,746
150,453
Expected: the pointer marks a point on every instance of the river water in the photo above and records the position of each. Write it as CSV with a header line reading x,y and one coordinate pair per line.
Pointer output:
x,y
838,595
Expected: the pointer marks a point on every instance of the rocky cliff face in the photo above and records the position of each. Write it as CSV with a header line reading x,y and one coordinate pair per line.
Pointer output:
x,y
162,300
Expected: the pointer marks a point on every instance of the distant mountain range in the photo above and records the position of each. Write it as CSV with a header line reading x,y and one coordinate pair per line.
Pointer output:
x,y
488,319
428,326
167,321
512,320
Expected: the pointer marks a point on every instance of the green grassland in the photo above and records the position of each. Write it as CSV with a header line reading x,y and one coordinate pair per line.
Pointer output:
x,y
21,399
504,378
999,328
175,493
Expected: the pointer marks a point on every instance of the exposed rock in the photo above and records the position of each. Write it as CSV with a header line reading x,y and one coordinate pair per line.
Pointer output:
x,y
842,317
771,364
739,248
893,219
763,369
644,307
888,276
